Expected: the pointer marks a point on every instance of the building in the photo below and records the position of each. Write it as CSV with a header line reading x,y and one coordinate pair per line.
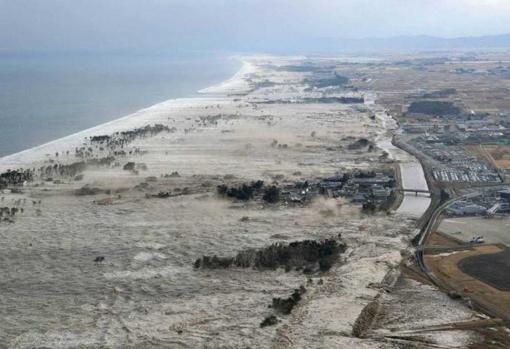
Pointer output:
x,y
505,194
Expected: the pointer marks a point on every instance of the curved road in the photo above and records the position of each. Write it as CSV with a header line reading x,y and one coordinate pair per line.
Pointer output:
x,y
419,254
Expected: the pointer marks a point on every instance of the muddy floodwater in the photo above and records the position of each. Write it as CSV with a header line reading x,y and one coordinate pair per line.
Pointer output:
x,y
98,248
414,178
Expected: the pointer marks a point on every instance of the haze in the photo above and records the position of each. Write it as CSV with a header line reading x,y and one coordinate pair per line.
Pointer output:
x,y
236,25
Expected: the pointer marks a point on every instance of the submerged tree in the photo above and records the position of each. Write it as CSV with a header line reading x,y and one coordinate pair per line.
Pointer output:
x,y
271,194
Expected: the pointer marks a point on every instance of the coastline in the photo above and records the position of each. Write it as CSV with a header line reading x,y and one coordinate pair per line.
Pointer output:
x,y
136,119
235,84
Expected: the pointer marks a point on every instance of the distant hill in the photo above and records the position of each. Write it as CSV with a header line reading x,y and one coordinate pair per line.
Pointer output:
x,y
398,43
422,42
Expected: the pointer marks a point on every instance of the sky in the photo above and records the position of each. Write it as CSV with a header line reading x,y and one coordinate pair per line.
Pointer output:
x,y
235,24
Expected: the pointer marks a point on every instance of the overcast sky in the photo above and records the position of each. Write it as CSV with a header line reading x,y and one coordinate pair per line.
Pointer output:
x,y
231,24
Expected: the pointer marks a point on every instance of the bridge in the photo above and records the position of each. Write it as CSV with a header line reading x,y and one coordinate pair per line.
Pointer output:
x,y
415,191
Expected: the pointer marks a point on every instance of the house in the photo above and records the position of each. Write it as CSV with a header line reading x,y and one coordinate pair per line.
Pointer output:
x,y
505,194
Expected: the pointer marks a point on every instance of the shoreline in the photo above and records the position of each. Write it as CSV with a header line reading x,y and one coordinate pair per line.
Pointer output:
x,y
8,161
199,94
230,83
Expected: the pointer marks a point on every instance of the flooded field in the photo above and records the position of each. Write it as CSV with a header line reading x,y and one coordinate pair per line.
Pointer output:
x,y
493,230
105,258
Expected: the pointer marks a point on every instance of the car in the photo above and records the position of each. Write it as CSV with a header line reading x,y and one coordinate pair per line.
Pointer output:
x,y
477,240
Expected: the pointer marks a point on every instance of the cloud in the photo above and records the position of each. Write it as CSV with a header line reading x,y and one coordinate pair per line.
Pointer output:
x,y
493,4
231,24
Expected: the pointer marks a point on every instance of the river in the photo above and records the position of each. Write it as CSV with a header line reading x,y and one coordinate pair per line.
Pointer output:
x,y
411,171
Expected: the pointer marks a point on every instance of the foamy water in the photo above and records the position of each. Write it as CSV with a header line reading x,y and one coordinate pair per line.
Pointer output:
x,y
146,293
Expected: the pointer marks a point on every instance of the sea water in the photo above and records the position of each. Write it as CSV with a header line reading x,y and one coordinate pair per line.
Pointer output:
x,y
45,96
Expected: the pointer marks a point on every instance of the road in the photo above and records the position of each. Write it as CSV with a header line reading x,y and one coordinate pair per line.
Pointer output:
x,y
430,220
422,242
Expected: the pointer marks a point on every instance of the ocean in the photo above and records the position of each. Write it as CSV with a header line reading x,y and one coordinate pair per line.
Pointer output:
x,y
45,96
